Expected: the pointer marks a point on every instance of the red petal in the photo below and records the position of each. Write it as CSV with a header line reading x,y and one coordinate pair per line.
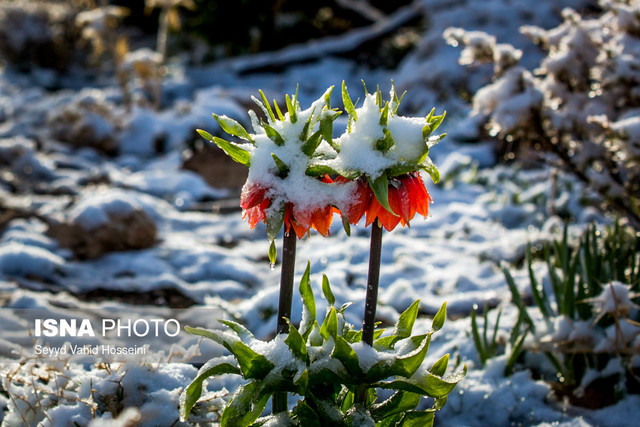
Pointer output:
x,y
322,220
252,196
400,202
360,202
257,213
289,221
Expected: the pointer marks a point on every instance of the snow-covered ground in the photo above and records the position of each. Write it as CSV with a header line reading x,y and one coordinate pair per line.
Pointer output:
x,y
61,201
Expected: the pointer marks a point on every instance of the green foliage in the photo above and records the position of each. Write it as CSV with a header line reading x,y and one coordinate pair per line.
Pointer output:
x,y
578,280
327,365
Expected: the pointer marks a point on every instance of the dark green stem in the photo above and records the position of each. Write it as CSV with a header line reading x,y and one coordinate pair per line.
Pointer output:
x,y
371,299
287,271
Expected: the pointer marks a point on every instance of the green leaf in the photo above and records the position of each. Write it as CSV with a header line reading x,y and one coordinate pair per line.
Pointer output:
x,y
243,333
482,352
431,385
348,105
407,319
326,290
206,135
398,403
405,365
326,127
304,135
384,144
237,153
417,419
515,295
273,134
214,335
347,356
436,121
301,381
380,188
311,145
273,252
267,107
384,115
306,416
246,405
308,301
232,127
192,393
515,354
283,169
296,343
252,364
429,167
275,220
329,325
539,296
291,109
278,111
440,367
440,317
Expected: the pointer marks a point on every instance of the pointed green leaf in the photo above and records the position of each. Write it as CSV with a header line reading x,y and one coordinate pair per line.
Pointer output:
x,y
246,405
273,134
380,188
429,167
283,169
440,367
291,109
304,135
384,144
237,153
384,116
407,319
348,104
440,317
326,127
326,290
347,356
192,393
475,334
243,333
215,335
436,121
278,111
308,303
296,343
301,381
311,144
400,402
232,127
267,107
329,327
306,416
417,419
273,252
206,135
346,225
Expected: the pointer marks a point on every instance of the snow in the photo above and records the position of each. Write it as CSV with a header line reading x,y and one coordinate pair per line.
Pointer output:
x,y
483,214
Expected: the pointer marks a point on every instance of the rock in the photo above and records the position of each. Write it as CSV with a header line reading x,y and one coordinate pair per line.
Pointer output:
x,y
105,222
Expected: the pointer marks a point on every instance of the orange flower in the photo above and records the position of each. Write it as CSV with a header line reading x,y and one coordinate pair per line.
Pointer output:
x,y
407,196
254,202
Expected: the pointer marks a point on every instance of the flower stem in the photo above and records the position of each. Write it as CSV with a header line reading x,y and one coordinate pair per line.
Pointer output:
x,y
371,299
287,271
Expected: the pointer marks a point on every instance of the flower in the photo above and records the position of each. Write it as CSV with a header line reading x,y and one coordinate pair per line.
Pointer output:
x,y
255,201
407,196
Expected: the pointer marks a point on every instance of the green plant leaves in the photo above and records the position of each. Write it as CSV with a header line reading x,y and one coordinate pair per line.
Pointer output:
x,y
237,153
439,318
380,188
192,393
246,406
232,127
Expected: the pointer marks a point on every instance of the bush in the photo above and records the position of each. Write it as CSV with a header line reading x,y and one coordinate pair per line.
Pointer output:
x,y
579,108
